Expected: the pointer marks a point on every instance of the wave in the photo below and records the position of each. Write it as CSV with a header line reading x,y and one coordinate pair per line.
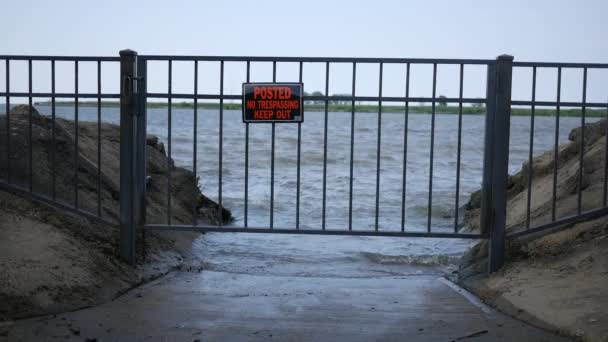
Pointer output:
x,y
415,260
438,210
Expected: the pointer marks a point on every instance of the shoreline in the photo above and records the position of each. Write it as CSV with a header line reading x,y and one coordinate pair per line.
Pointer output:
x,y
54,261
386,109
553,278
553,281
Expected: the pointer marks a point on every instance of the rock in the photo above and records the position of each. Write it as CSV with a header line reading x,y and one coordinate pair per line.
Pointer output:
x,y
184,192
151,140
23,110
474,201
570,180
593,131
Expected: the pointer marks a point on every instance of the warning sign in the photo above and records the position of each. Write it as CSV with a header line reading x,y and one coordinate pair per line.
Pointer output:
x,y
272,102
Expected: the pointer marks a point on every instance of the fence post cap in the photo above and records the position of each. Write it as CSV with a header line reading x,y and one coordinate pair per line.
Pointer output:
x,y
505,57
127,52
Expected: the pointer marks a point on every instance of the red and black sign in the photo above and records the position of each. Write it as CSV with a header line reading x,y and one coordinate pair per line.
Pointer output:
x,y
272,102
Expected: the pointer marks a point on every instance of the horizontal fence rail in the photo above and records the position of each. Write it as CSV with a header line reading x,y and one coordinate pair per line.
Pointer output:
x,y
325,98
327,231
318,59
30,183
60,58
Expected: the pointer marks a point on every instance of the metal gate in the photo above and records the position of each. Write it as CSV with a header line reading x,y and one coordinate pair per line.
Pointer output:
x,y
134,98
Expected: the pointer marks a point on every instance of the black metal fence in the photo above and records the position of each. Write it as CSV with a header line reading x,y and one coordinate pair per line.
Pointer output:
x,y
326,99
578,211
20,177
134,98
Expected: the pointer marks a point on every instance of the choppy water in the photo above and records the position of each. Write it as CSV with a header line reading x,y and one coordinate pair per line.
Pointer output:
x,y
338,162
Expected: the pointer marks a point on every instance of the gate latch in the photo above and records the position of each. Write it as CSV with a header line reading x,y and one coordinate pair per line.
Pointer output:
x,y
129,83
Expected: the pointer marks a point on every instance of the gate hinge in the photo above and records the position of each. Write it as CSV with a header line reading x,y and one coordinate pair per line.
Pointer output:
x,y
128,86
135,78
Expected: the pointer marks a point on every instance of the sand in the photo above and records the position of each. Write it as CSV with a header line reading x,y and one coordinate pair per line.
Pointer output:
x,y
52,261
555,279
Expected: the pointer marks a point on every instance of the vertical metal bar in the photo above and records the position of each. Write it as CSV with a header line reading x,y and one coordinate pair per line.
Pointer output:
x,y
556,142
8,122
352,150
76,133
274,79
247,156
325,146
127,140
486,187
378,146
30,143
405,134
605,197
457,199
221,148
169,124
53,135
195,146
582,145
99,138
531,151
299,159
499,144
139,179
430,205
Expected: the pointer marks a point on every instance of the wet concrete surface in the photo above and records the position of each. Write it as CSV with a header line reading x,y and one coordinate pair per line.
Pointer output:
x,y
223,306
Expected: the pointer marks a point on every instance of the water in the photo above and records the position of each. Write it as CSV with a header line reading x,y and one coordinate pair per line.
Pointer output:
x,y
443,208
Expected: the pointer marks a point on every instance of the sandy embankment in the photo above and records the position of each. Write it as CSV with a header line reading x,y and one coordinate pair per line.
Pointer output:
x,y
557,280
52,261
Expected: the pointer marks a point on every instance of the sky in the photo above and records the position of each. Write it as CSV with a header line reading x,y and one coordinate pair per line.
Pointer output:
x,y
544,30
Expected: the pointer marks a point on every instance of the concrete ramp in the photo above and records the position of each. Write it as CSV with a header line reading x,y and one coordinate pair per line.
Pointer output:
x,y
221,306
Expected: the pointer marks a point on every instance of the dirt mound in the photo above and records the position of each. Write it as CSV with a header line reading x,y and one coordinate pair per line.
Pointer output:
x,y
568,157
557,279
52,261
184,191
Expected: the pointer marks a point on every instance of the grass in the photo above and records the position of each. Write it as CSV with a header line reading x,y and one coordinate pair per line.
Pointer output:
x,y
359,108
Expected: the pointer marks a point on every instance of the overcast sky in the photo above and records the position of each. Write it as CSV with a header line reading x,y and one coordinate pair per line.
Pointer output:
x,y
547,30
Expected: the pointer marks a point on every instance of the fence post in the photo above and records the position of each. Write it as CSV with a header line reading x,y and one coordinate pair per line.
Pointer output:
x,y
127,156
496,159
140,150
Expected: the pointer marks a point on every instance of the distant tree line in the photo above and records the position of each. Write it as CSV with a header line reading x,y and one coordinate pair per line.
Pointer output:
x,y
441,100
331,102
